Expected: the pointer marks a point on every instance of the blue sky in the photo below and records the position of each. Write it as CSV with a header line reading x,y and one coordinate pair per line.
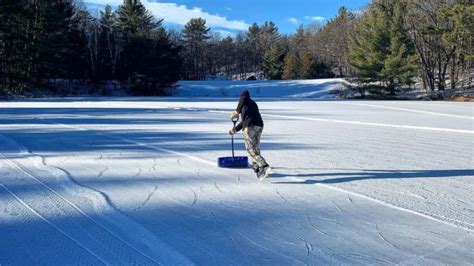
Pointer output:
x,y
231,16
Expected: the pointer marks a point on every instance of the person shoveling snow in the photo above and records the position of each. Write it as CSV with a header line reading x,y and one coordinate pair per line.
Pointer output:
x,y
252,125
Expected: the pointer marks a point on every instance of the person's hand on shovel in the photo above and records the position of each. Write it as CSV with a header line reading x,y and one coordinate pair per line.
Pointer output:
x,y
234,116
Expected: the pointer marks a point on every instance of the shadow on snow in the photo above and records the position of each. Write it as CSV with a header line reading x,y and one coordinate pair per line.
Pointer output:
x,y
334,178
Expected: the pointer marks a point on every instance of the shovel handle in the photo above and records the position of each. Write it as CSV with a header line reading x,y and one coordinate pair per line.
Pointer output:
x,y
233,141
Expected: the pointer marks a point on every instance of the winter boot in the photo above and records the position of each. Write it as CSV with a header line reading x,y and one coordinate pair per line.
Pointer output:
x,y
263,172
255,168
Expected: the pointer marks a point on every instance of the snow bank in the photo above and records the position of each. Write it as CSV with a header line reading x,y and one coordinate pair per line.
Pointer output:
x,y
320,88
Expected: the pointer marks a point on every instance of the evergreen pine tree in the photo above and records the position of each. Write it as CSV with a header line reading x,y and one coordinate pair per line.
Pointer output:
x,y
253,35
461,15
148,61
273,62
293,67
195,34
40,41
268,36
290,67
242,64
60,46
226,47
134,19
380,51
369,45
399,66
306,63
16,52
107,50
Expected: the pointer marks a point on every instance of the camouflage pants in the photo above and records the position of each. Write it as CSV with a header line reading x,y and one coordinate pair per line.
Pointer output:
x,y
252,136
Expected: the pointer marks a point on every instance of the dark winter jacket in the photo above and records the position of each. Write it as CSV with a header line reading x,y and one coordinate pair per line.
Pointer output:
x,y
249,112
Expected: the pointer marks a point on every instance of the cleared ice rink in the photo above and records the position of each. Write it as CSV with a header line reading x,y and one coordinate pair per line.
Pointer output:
x,y
135,181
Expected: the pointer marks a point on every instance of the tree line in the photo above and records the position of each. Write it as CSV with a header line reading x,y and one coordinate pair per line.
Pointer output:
x,y
45,43
388,46
395,44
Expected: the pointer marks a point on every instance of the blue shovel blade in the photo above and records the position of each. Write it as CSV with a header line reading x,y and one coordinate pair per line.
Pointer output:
x,y
233,162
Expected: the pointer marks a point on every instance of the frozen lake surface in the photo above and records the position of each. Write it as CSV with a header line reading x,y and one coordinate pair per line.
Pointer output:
x,y
135,181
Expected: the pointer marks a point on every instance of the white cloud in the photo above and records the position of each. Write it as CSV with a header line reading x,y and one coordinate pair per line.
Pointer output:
x,y
315,18
105,2
293,20
181,14
225,33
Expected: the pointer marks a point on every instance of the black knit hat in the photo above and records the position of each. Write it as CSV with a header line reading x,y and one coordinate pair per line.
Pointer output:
x,y
245,93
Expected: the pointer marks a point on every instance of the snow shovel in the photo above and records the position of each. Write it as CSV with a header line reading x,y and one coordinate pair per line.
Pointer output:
x,y
234,161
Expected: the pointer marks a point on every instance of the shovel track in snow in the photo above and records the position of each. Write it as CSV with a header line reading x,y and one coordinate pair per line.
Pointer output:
x,y
42,230
85,230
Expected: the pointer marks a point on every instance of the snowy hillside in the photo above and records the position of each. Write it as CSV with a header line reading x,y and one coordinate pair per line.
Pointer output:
x,y
134,181
318,88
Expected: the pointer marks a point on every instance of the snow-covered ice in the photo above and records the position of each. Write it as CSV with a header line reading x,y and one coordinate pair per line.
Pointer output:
x,y
316,88
134,181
